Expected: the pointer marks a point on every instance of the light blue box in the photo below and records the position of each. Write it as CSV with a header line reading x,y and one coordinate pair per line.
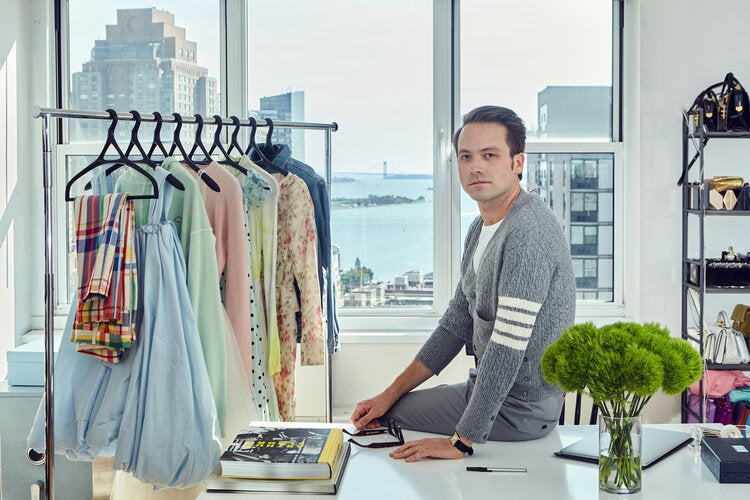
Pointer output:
x,y
26,363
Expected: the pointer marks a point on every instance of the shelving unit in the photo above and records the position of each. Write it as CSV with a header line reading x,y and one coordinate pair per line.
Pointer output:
x,y
695,203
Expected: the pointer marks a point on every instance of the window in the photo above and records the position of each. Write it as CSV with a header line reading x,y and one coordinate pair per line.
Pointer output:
x,y
133,61
380,86
562,88
382,165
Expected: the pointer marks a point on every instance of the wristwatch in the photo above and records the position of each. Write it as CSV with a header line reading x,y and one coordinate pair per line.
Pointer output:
x,y
455,440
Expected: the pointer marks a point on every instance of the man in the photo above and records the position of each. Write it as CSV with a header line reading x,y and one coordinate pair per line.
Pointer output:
x,y
516,296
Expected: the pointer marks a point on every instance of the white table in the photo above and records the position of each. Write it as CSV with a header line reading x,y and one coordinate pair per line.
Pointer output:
x,y
372,474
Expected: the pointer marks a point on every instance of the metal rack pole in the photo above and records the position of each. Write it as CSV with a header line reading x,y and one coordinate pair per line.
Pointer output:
x,y
328,357
149,117
49,315
49,290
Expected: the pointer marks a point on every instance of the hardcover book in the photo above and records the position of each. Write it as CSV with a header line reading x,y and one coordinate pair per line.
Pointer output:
x,y
218,484
282,453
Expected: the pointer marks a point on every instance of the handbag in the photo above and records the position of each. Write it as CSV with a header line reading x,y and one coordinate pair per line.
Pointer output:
x,y
732,270
743,198
717,410
724,105
741,319
720,346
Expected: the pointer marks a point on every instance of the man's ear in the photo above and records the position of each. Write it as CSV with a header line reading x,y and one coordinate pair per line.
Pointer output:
x,y
518,162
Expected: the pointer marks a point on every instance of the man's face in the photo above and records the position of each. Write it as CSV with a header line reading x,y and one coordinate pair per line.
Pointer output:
x,y
487,171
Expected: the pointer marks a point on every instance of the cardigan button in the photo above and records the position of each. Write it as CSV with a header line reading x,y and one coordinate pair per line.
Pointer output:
x,y
473,295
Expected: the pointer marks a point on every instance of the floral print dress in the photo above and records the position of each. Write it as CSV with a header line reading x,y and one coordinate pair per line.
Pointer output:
x,y
296,260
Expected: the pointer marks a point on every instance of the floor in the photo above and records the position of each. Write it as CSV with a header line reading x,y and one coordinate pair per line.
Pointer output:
x,y
103,474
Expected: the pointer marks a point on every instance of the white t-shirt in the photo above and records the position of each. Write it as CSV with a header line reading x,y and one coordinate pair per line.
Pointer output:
x,y
484,238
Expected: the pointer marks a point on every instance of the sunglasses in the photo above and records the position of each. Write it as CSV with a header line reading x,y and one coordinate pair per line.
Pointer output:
x,y
393,429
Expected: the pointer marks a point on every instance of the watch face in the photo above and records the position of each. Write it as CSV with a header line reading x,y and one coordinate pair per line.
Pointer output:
x,y
454,438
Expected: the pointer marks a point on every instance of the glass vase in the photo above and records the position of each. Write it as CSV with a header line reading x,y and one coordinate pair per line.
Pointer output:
x,y
619,454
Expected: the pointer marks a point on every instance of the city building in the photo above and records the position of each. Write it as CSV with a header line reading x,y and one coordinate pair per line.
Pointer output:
x,y
288,107
579,188
411,289
574,112
145,63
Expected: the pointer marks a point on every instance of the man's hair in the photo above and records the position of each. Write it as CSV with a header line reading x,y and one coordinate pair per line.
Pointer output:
x,y
515,130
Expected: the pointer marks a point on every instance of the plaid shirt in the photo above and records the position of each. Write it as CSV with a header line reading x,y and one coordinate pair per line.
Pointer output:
x,y
105,241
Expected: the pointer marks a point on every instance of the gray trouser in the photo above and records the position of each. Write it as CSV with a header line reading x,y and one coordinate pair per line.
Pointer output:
x,y
439,409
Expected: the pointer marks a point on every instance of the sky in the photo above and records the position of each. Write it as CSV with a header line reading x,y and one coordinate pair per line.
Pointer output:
x,y
368,65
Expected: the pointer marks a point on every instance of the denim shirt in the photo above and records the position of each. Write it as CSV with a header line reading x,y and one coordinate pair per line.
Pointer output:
x,y
321,204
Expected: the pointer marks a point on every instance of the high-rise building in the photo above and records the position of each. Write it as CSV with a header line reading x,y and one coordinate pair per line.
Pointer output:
x,y
575,112
579,188
144,63
289,106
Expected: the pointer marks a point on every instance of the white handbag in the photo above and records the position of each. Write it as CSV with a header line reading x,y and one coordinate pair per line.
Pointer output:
x,y
721,344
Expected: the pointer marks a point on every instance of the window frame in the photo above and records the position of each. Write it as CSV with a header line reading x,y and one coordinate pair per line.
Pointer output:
x,y
393,324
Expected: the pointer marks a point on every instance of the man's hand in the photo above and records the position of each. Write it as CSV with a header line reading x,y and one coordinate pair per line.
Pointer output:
x,y
367,411
427,448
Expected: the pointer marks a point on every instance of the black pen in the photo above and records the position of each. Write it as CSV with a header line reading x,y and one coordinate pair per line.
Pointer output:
x,y
496,469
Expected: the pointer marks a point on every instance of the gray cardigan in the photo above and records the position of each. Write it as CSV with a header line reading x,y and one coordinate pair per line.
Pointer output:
x,y
520,300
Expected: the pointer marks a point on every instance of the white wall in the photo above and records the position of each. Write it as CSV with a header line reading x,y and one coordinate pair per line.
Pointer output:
x,y
17,160
677,61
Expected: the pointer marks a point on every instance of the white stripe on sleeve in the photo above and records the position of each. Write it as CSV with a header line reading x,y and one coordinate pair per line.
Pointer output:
x,y
501,327
516,316
519,345
516,303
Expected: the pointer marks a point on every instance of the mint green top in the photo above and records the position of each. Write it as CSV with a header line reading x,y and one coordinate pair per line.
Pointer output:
x,y
188,214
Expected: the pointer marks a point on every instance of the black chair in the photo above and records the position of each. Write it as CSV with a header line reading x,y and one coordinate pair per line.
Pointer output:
x,y
577,412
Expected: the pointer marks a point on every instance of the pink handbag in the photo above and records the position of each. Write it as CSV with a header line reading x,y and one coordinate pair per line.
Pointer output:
x,y
717,383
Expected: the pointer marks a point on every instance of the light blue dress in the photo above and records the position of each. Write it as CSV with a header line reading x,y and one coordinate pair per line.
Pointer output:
x,y
157,401
169,435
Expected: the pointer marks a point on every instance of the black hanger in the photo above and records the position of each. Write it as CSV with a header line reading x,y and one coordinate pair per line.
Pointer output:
x,y
262,161
233,144
217,144
134,142
177,144
198,144
269,150
157,137
111,141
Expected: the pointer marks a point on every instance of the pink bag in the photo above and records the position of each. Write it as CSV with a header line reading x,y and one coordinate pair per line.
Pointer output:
x,y
717,383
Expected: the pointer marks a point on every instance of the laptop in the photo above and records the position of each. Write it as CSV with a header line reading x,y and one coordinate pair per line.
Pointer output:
x,y
656,444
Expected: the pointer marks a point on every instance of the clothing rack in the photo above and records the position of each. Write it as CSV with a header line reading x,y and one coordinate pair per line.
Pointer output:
x,y
49,278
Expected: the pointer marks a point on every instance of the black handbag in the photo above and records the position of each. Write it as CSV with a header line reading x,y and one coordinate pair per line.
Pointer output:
x,y
725,107
731,271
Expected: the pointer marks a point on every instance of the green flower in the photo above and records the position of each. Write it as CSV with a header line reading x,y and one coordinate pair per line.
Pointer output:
x,y
621,364
566,361
642,371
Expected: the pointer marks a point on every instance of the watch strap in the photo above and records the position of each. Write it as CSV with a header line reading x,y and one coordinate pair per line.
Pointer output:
x,y
460,445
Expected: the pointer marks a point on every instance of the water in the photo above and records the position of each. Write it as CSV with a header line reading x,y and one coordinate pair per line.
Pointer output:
x,y
389,239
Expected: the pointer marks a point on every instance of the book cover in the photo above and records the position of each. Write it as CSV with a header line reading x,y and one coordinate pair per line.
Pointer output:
x,y
282,453
331,486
